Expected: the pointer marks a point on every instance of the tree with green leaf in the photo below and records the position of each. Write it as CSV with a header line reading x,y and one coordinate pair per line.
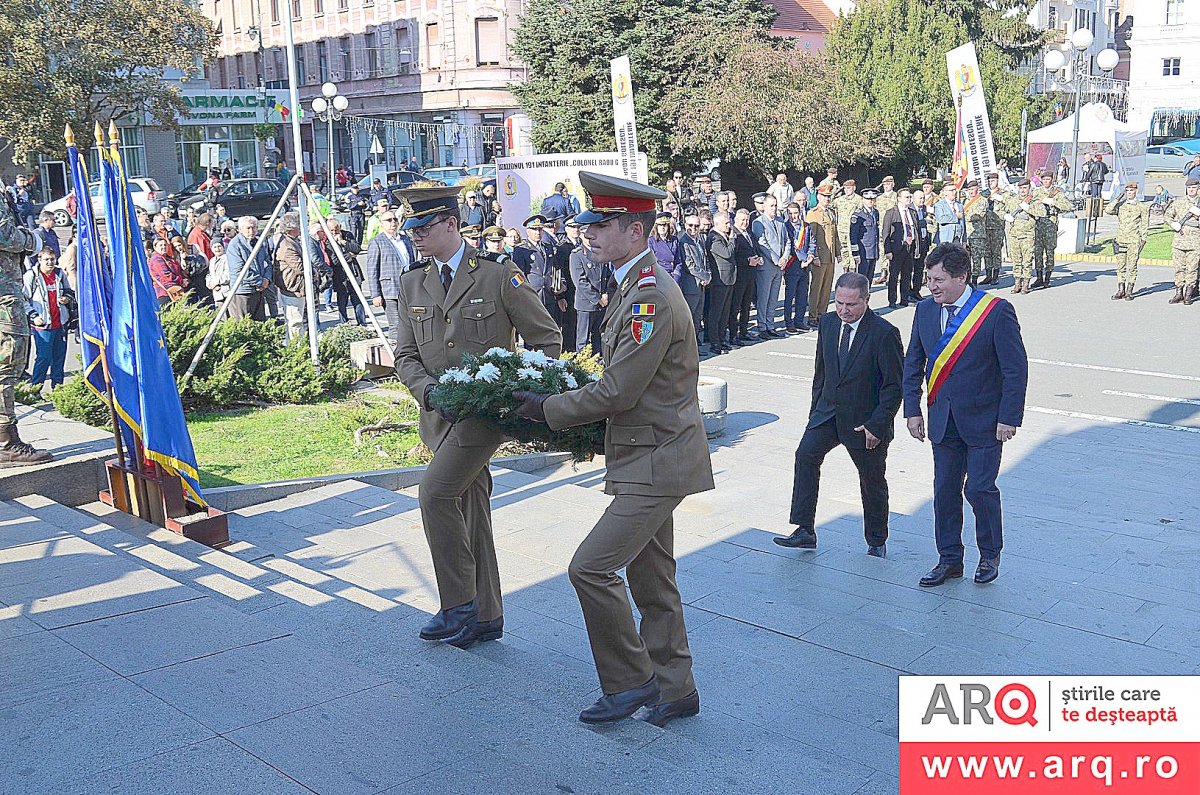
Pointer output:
x,y
79,61
767,103
568,44
890,56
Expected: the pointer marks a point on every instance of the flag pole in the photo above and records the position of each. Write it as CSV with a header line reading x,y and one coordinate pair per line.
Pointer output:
x,y
69,134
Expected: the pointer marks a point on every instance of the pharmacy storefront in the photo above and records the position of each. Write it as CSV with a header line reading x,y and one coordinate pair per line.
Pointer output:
x,y
236,125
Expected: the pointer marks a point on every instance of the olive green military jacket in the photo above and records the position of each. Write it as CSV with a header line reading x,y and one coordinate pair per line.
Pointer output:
x,y
489,303
1133,220
655,445
16,243
1187,236
975,212
1021,214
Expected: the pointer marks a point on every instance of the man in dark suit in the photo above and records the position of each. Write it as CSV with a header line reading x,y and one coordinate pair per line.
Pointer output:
x,y
389,255
722,267
864,235
901,242
966,352
695,276
856,394
591,295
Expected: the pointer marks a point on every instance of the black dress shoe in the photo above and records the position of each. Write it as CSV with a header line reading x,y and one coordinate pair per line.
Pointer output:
x,y
815,323
987,570
802,538
715,350
619,706
940,573
877,550
477,632
448,623
893,305
790,330
661,714
738,343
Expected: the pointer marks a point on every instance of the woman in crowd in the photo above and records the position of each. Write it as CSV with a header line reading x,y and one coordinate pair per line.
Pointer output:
x,y
50,305
512,239
1062,174
217,279
665,246
195,268
169,282
228,232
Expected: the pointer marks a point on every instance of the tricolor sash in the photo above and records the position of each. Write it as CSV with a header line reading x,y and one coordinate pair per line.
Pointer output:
x,y
954,340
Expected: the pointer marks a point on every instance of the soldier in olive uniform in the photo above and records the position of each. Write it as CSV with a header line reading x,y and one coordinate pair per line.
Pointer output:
x,y
460,301
16,243
1183,215
831,182
1045,238
975,210
1133,227
1021,213
993,230
885,202
657,454
846,206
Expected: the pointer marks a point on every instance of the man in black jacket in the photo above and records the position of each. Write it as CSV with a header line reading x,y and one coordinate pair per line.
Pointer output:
x,y
722,268
901,245
856,394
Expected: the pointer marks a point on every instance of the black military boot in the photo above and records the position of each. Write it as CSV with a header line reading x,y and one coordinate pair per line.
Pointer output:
x,y
1178,297
1189,295
1038,283
1120,292
15,453
1129,291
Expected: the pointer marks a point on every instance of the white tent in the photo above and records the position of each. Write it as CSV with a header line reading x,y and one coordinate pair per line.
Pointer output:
x,y
1122,145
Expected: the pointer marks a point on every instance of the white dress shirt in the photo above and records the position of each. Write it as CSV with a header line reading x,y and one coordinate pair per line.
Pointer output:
x,y
620,273
962,300
853,331
454,260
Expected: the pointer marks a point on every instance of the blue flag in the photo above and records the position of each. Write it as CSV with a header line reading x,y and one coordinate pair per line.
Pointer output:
x,y
93,280
144,391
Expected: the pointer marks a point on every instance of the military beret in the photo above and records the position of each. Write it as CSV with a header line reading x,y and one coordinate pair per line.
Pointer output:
x,y
1134,185
850,182
993,175
536,222
1192,181
870,193
1024,183
825,190
493,233
889,178
971,183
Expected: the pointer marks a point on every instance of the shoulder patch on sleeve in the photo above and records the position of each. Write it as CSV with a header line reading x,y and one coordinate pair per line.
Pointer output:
x,y
517,279
646,277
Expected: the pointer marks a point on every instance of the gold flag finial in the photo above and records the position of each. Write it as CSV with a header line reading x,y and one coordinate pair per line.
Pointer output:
x,y
98,132
114,137
69,134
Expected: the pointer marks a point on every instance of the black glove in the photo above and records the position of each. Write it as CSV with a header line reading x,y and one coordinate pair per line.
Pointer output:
x,y
448,416
531,405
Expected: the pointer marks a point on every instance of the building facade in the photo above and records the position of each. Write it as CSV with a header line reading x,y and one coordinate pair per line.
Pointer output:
x,y
1164,73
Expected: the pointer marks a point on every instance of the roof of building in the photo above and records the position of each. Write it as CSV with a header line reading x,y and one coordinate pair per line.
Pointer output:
x,y
802,16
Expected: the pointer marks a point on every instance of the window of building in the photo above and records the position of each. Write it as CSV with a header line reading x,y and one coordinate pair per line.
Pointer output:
x,y
489,42
343,5
233,9
133,153
274,12
236,149
318,6
301,71
1170,67
323,60
344,62
1174,12
241,70
403,49
433,46
370,44
295,9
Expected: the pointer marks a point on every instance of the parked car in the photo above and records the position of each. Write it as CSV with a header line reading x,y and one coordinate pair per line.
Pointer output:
x,y
1167,157
484,171
1189,145
449,175
396,180
256,197
146,194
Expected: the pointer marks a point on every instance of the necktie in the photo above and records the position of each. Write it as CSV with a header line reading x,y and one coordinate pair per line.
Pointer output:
x,y
447,277
844,345
951,311
908,238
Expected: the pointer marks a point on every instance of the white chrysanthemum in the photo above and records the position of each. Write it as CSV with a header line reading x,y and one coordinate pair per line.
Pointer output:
x,y
454,374
535,358
530,372
570,381
593,377
503,353
488,372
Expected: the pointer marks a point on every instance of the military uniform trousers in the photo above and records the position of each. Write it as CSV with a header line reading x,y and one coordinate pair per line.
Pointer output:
x,y
1127,260
455,498
819,288
636,533
1020,251
14,352
1187,265
994,251
1045,241
978,247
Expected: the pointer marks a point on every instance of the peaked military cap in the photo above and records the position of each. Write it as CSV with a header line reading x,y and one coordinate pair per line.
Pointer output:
x,y
493,233
663,217
825,190
422,205
870,193
571,222
537,222
609,197
471,232
759,197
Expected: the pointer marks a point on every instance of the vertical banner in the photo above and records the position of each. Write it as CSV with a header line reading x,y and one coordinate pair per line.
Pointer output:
x,y
966,89
624,121
959,166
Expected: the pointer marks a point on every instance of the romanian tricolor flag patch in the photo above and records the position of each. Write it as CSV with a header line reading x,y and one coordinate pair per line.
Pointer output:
x,y
643,310
518,279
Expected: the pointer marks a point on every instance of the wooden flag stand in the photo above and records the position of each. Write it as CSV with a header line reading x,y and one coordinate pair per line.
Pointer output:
x,y
158,497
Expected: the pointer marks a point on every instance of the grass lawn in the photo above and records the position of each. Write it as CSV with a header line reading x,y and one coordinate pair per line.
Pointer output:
x,y
1158,245
257,445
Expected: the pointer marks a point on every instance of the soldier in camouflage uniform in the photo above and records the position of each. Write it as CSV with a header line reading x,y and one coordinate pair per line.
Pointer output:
x,y
1183,215
1045,239
885,202
1021,213
994,230
975,210
846,206
831,181
16,243
1133,227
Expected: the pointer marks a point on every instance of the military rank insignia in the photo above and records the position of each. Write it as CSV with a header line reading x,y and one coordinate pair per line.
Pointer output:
x,y
643,322
518,279
646,279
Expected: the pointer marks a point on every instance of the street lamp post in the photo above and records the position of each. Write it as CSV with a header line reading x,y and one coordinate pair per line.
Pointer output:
x,y
329,108
1078,43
